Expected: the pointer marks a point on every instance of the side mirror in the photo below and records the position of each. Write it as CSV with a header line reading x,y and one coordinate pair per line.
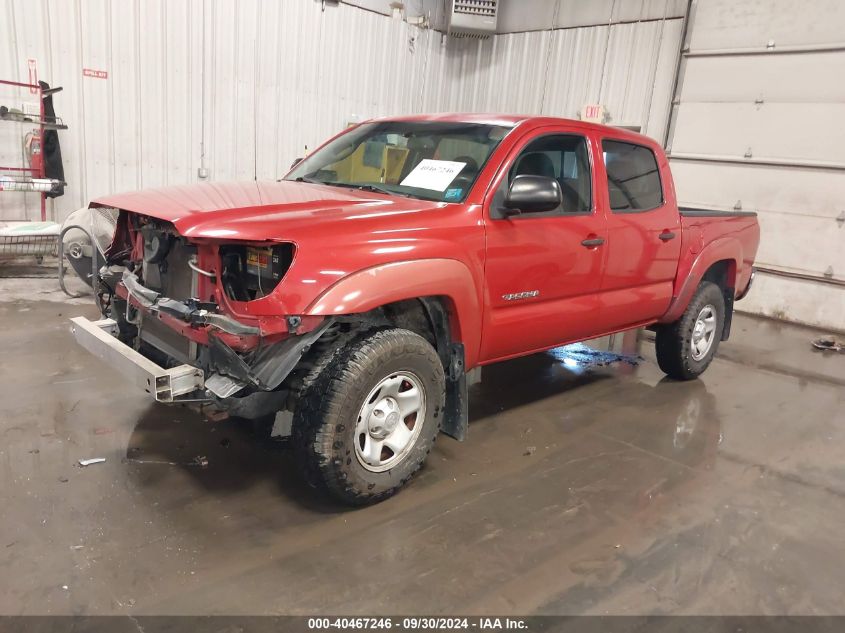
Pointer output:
x,y
295,162
533,194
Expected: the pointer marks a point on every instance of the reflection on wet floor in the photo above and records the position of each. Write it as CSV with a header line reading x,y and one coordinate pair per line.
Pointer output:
x,y
589,484
580,357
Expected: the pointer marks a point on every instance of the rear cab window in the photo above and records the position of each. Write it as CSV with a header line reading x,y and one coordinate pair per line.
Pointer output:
x,y
633,178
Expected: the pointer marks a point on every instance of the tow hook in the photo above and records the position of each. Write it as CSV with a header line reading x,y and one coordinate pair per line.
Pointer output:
x,y
293,323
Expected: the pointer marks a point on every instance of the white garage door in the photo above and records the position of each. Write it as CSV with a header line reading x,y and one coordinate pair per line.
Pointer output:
x,y
760,125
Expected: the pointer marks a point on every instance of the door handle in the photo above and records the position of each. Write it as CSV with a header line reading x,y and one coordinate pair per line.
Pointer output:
x,y
666,236
594,241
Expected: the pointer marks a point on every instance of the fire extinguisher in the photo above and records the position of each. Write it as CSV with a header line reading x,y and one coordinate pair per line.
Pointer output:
x,y
32,145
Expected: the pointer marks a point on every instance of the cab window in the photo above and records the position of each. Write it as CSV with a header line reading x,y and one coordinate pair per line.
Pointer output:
x,y
633,179
564,158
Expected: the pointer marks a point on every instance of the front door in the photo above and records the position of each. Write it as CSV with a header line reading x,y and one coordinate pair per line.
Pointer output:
x,y
543,270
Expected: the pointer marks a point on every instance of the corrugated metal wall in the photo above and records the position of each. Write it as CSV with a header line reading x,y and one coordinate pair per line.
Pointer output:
x,y
760,124
532,15
627,67
516,16
241,88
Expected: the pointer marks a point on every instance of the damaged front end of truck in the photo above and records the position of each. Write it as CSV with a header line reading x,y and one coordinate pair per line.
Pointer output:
x,y
196,321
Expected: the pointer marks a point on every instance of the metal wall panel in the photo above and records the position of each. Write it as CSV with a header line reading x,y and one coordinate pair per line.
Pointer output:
x,y
238,88
241,89
798,301
812,192
578,13
799,231
501,74
753,24
140,126
516,16
746,78
759,123
527,15
814,244
660,105
788,131
635,52
575,74
627,67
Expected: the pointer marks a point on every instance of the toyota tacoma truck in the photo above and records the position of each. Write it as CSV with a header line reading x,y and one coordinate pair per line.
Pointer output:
x,y
358,294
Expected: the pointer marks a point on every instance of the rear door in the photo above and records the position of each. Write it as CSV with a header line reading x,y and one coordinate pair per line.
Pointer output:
x,y
644,235
541,279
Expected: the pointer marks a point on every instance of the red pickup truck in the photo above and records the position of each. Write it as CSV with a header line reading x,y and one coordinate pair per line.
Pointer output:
x,y
356,294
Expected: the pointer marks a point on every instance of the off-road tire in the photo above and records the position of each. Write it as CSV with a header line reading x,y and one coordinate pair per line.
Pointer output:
x,y
324,422
673,342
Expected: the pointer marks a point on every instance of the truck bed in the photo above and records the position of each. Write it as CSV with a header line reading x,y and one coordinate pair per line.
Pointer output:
x,y
716,235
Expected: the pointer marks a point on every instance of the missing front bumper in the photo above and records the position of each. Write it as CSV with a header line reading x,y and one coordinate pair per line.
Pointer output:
x,y
165,385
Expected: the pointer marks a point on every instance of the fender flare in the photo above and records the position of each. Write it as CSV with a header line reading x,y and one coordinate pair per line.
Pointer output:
x,y
379,285
727,248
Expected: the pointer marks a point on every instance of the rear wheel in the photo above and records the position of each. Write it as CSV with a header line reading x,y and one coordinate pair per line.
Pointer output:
x,y
367,422
686,347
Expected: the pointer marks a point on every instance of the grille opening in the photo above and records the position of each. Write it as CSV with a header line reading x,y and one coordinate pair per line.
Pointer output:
x,y
252,272
486,8
164,264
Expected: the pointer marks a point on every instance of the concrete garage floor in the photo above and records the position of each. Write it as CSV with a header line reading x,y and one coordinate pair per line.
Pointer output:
x,y
719,496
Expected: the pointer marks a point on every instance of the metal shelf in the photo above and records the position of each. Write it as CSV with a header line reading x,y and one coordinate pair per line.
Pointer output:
x,y
36,180
27,119
28,183
28,238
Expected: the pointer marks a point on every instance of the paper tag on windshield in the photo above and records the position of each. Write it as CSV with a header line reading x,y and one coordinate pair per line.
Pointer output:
x,y
433,174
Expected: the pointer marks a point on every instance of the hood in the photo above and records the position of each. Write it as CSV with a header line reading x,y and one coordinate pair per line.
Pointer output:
x,y
256,211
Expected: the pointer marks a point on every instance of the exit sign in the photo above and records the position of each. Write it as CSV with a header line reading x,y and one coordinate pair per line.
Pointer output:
x,y
593,113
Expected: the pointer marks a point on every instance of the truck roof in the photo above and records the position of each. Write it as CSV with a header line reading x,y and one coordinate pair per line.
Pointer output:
x,y
512,120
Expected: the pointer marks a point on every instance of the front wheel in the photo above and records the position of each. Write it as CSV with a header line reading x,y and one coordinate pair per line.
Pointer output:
x,y
366,424
686,347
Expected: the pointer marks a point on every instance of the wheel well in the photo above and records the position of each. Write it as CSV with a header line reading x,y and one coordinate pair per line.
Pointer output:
x,y
411,314
426,316
430,318
723,274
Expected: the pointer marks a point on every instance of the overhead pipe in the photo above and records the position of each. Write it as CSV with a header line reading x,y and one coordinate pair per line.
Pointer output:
x,y
776,272
770,49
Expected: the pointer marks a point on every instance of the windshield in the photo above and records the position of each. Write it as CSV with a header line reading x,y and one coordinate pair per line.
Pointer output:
x,y
419,159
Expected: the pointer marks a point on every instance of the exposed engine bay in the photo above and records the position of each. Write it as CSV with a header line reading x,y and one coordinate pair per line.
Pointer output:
x,y
179,302
168,262
251,272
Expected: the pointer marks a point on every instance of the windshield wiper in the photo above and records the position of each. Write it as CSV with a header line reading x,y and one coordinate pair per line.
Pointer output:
x,y
352,185
378,189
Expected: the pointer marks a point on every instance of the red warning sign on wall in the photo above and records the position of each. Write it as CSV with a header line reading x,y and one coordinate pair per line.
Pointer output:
x,y
98,74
